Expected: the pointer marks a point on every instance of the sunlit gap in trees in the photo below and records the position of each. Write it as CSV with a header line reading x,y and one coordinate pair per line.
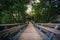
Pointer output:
x,y
29,6
29,9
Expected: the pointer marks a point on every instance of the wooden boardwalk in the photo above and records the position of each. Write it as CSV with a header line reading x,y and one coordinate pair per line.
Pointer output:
x,y
30,34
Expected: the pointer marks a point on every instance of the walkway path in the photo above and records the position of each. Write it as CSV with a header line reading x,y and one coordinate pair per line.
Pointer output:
x,y
30,34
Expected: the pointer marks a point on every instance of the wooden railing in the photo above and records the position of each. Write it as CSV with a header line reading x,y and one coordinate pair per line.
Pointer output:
x,y
48,24
9,33
50,32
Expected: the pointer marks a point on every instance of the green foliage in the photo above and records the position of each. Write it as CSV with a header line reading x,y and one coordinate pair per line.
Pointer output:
x,y
46,10
13,11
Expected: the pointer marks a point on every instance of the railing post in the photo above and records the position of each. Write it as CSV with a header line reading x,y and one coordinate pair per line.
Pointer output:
x,y
6,27
53,34
10,36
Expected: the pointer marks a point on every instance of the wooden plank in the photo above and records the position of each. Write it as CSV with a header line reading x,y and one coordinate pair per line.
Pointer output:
x,y
30,34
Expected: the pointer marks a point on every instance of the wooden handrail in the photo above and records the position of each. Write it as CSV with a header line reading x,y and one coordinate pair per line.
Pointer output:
x,y
8,24
11,30
48,24
48,32
50,29
11,24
